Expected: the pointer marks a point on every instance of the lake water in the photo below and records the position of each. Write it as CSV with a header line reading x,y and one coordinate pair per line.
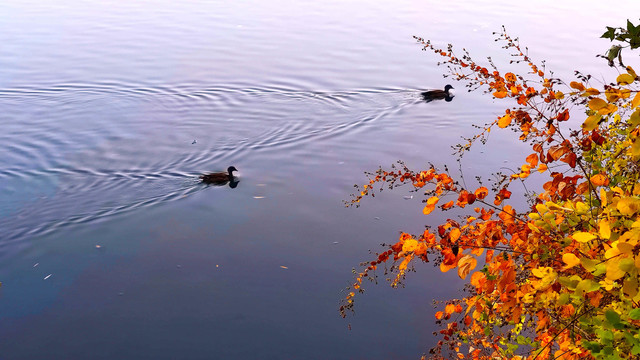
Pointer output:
x,y
110,248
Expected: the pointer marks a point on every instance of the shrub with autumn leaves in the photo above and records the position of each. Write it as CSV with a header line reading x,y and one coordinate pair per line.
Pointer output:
x,y
559,280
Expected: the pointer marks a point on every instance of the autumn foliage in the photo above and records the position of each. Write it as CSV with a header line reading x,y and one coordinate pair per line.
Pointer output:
x,y
560,279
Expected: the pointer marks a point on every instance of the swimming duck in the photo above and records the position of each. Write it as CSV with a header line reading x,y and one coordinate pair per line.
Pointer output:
x,y
445,94
219,178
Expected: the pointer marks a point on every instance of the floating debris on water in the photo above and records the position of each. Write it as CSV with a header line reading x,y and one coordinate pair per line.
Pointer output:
x,y
258,197
36,264
284,267
46,277
408,197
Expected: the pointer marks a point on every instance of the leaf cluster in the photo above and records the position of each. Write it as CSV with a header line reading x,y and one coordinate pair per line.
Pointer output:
x,y
629,35
559,280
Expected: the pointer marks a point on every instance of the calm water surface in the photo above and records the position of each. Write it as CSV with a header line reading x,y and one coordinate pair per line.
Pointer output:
x,y
111,249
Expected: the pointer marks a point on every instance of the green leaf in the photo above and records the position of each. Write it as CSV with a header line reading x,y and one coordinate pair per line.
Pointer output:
x,y
609,34
634,314
613,52
612,317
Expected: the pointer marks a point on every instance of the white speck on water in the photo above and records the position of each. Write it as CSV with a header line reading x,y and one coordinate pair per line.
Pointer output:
x,y
408,197
377,218
335,242
46,277
36,264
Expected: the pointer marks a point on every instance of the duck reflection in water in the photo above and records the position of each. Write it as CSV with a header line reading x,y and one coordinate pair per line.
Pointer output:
x,y
447,94
221,178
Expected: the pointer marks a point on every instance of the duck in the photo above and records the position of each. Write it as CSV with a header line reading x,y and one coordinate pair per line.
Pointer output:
x,y
446,94
219,178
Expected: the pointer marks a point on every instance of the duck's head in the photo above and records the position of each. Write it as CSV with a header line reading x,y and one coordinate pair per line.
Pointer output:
x,y
447,88
231,169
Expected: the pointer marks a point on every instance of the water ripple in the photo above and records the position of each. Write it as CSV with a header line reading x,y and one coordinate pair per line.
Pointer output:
x,y
80,153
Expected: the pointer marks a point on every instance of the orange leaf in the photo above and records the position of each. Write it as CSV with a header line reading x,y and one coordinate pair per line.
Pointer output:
x,y
557,151
454,234
431,204
532,160
481,192
577,85
449,309
542,168
478,279
599,180
504,121
500,93
465,265
439,315
447,205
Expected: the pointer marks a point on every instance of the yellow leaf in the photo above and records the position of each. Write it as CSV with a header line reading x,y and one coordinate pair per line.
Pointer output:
x,y
465,265
636,101
546,275
604,229
612,252
559,95
631,71
596,104
403,265
431,204
410,245
634,119
591,92
542,168
635,148
591,122
625,248
612,94
630,287
609,109
624,79
504,121
570,259
628,206
583,237
613,270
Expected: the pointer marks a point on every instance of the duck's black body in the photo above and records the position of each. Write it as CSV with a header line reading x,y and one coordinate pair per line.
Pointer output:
x,y
219,178
445,94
